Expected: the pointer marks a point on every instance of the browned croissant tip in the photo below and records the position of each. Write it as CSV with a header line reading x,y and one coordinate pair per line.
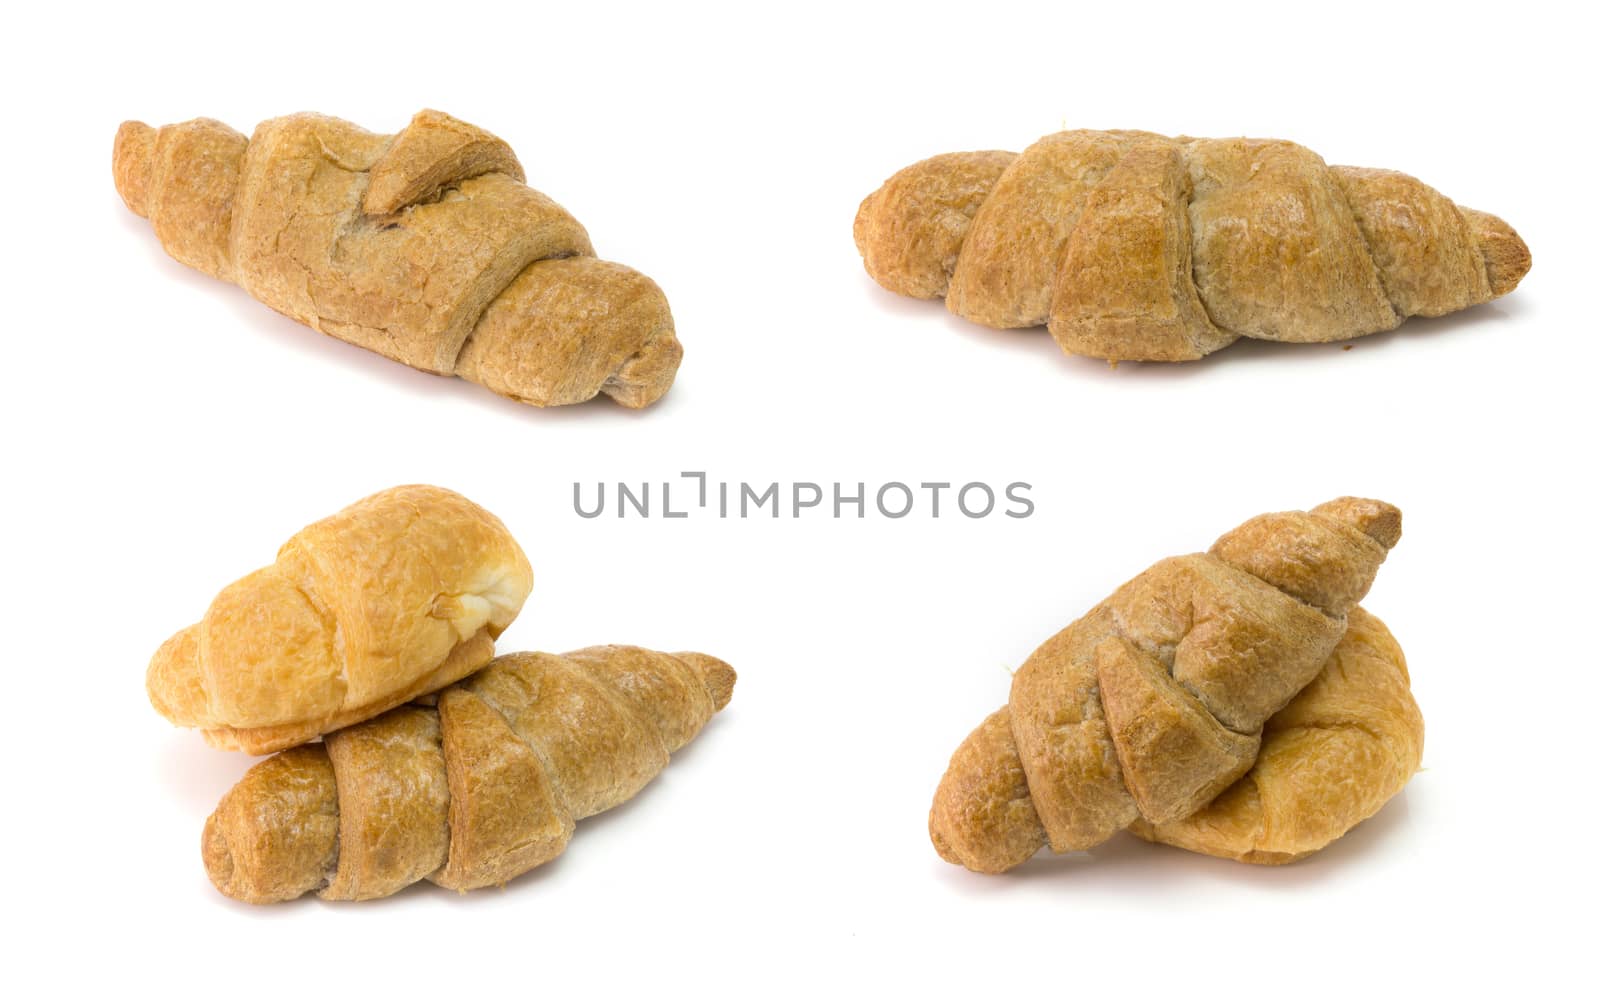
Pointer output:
x,y
226,874
1379,520
1506,258
718,675
991,862
132,160
219,861
941,845
646,376
863,219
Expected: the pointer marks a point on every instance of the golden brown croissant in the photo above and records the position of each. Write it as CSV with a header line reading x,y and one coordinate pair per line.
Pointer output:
x,y
471,793
1329,760
1153,703
385,600
1132,246
424,246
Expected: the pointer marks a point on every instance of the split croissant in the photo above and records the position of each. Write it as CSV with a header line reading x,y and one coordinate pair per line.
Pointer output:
x,y
386,600
1153,703
472,793
424,246
1340,750
1132,246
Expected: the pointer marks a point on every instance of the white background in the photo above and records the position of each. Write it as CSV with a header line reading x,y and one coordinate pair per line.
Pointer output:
x,y
164,433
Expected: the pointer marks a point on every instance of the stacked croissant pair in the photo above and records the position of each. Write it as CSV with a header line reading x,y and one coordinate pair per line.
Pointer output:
x,y
375,630
1237,703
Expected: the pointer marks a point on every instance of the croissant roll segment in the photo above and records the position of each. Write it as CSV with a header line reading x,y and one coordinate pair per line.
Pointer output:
x,y
391,598
1340,750
1132,246
426,247
1154,702
471,792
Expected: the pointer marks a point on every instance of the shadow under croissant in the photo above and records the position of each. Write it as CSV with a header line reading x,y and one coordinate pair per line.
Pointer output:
x,y
590,829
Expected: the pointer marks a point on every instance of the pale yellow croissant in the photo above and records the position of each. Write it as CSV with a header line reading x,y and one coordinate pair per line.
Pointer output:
x,y
1153,703
387,599
472,792
424,246
1134,246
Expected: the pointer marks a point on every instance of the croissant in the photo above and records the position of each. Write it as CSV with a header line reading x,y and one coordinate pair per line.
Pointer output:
x,y
1336,754
424,246
1153,703
1132,246
388,599
471,793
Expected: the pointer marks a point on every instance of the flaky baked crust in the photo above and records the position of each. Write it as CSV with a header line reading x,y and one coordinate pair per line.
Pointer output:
x,y
1132,246
425,246
470,792
388,599
1153,703
1329,760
